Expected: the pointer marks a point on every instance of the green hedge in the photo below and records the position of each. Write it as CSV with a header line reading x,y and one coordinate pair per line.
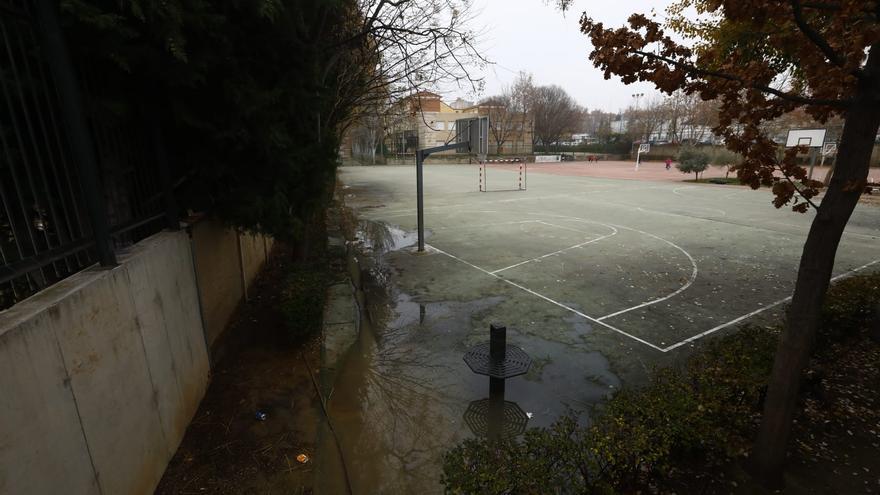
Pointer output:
x,y
302,300
701,413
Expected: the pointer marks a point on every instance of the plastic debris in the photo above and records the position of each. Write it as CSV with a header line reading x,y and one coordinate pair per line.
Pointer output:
x,y
261,415
302,458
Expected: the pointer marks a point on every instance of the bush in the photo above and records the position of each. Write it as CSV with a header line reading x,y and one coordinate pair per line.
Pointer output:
x,y
848,308
692,160
723,157
698,415
302,301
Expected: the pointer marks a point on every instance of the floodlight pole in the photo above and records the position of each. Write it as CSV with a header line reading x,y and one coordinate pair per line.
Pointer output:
x,y
420,197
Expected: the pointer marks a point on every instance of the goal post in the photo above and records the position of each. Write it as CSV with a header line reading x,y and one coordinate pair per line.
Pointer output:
x,y
517,182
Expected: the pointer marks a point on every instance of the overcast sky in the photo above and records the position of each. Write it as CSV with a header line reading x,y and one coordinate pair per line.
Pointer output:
x,y
531,36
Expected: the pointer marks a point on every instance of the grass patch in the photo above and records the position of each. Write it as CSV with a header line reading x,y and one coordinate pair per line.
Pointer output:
x,y
688,419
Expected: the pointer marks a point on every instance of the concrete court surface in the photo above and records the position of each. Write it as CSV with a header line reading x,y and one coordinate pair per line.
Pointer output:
x,y
597,279
655,263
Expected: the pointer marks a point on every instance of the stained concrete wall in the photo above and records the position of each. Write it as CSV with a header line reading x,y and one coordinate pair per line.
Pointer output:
x,y
101,373
226,263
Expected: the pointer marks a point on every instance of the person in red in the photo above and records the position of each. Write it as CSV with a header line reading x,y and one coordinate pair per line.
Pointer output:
x,y
668,163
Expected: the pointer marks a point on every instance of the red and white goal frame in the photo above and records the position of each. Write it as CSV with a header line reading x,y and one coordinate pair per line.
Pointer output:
x,y
507,163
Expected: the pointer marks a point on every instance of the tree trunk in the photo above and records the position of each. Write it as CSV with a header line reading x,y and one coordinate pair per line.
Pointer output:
x,y
814,274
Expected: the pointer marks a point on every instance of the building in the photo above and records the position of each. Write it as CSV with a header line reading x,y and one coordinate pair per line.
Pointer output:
x,y
424,120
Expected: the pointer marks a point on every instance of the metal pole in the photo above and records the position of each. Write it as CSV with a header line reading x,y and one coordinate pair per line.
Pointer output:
x,y
495,420
497,353
497,341
812,162
76,125
420,200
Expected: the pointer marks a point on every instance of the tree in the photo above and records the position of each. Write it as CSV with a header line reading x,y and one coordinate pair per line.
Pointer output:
x,y
692,160
723,157
761,60
644,121
501,118
556,113
522,98
253,97
369,132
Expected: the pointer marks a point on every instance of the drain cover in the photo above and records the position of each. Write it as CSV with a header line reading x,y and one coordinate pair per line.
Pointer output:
x,y
513,419
515,362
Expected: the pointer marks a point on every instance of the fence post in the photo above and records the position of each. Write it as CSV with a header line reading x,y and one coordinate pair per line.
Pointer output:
x,y
74,117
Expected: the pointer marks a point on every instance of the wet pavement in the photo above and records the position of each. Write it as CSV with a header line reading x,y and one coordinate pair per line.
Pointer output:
x,y
597,280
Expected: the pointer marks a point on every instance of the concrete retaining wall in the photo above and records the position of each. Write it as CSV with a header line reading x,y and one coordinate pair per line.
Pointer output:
x,y
100,375
226,264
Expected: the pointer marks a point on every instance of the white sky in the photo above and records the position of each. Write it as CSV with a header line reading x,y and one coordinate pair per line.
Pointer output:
x,y
531,36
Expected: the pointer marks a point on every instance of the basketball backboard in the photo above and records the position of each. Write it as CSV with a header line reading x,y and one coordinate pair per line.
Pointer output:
x,y
811,138
644,148
475,132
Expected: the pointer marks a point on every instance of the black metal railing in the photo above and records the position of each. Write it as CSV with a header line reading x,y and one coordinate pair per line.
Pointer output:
x,y
76,185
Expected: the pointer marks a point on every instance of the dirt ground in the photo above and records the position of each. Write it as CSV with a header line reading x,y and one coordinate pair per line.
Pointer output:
x,y
837,437
227,449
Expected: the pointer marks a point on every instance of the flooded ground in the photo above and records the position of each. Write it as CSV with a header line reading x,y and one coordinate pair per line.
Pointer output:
x,y
398,398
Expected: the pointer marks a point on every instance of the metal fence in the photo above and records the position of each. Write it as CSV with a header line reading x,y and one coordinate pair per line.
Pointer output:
x,y
76,185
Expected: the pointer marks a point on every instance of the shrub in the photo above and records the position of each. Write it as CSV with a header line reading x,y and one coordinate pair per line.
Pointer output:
x,y
692,160
546,457
723,157
700,414
302,300
848,308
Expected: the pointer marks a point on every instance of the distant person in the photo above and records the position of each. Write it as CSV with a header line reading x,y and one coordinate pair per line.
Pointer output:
x,y
668,163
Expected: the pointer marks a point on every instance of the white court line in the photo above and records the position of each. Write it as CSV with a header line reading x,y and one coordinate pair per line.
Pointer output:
x,y
478,203
806,231
685,188
765,308
681,289
480,226
557,252
563,306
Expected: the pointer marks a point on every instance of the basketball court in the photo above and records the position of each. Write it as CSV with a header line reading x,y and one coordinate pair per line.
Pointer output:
x,y
656,264
597,280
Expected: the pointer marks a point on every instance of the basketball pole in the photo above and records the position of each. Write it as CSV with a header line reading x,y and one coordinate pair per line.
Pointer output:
x,y
420,199
481,142
421,155
812,162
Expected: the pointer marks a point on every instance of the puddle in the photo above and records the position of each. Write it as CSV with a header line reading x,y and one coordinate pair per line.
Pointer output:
x,y
380,238
399,396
